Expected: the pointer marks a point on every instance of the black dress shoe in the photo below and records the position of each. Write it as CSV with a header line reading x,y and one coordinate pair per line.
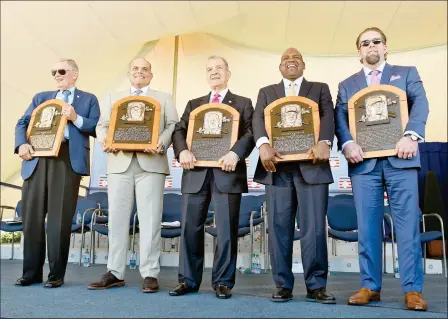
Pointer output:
x,y
321,296
52,282
182,289
27,282
223,292
282,295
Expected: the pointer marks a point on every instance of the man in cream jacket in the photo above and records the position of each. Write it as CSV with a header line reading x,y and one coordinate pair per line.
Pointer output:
x,y
139,175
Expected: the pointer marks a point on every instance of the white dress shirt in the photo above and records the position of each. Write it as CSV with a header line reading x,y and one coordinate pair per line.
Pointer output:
x,y
287,83
79,120
143,89
222,94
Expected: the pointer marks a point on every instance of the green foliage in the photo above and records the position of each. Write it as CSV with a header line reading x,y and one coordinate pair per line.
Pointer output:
x,y
6,238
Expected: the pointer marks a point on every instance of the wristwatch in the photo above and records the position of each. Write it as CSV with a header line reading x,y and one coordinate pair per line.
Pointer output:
x,y
326,141
412,137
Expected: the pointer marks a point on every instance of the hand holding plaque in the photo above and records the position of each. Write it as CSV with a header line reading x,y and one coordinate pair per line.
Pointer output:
x,y
134,124
377,118
46,129
212,131
292,124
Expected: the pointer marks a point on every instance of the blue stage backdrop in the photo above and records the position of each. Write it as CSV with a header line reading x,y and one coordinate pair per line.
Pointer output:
x,y
98,180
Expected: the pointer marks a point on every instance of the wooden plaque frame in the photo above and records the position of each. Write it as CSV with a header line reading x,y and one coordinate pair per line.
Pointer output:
x,y
404,116
114,121
316,123
61,122
233,138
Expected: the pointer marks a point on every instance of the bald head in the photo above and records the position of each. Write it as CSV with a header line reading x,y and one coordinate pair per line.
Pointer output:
x,y
139,72
291,64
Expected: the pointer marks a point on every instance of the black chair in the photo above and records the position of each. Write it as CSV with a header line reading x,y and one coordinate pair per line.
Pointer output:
x,y
172,212
102,201
425,237
14,225
86,207
249,209
103,229
297,236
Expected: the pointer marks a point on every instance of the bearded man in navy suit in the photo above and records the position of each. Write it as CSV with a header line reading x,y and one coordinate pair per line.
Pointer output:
x,y
397,174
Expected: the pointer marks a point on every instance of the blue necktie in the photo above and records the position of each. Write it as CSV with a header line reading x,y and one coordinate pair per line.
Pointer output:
x,y
137,92
66,93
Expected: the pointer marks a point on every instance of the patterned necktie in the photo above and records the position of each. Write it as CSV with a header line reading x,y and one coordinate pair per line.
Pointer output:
x,y
216,98
137,92
375,77
66,93
291,89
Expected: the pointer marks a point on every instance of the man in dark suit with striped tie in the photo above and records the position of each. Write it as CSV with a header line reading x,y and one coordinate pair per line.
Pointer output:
x,y
51,184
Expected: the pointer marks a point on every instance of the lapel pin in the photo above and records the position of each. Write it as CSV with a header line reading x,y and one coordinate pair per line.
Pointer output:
x,y
77,96
230,102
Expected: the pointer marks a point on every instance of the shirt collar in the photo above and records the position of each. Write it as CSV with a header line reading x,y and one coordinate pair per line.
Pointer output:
x,y
297,82
367,70
72,90
221,93
144,90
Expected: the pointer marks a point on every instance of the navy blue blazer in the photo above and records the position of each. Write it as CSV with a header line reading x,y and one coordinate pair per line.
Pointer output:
x,y
403,77
85,105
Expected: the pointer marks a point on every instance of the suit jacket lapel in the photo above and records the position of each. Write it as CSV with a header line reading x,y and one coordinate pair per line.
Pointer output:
x,y
280,90
360,80
229,99
387,73
205,99
304,88
76,97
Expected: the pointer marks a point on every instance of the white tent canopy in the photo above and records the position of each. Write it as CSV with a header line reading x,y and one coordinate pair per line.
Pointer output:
x,y
102,36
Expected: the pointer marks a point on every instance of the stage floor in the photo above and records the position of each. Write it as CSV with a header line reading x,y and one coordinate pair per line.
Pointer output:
x,y
250,297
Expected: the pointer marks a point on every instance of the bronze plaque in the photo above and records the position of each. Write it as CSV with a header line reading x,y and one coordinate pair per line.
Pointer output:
x,y
212,131
46,128
134,124
292,124
377,118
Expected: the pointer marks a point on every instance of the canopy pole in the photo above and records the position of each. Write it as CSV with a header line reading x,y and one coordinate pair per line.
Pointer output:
x,y
176,62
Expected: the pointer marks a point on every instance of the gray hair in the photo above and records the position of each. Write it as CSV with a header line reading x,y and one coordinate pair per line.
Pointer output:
x,y
219,57
72,64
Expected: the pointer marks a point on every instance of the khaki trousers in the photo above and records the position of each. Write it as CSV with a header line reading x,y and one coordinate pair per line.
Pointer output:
x,y
148,189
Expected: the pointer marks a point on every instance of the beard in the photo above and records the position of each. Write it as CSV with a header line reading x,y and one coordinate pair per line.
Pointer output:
x,y
373,59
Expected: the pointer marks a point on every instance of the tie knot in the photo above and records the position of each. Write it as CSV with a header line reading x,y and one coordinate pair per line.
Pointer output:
x,y
137,92
216,98
375,72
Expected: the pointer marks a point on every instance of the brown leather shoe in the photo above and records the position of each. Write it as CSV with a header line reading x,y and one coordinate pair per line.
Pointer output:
x,y
107,281
363,297
415,301
150,284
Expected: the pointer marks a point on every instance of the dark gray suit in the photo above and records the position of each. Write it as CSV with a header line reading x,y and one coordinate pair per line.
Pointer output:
x,y
198,186
297,184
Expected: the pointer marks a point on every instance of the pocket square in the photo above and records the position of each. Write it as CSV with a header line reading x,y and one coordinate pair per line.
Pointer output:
x,y
394,77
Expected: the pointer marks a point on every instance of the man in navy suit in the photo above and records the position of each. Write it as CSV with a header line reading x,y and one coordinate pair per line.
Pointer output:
x,y
51,184
398,174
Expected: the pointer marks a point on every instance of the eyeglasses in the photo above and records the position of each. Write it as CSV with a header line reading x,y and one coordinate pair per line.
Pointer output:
x,y
60,71
366,43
